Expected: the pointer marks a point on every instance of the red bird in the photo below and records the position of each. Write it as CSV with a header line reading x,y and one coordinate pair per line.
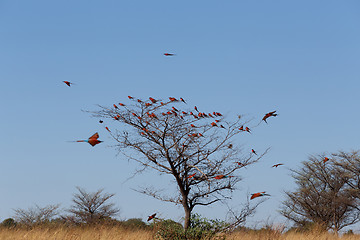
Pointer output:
x,y
152,99
247,129
213,124
115,106
253,151
192,125
93,140
181,99
222,126
121,104
241,128
325,160
169,54
68,83
152,217
175,109
269,114
172,99
196,109
276,165
107,129
130,97
222,176
259,194
191,175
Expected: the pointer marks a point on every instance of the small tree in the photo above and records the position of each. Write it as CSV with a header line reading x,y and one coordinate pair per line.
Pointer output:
x,y
323,196
36,214
197,149
92,207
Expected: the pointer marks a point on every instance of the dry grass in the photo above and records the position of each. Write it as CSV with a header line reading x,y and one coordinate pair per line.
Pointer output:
x,y
116,233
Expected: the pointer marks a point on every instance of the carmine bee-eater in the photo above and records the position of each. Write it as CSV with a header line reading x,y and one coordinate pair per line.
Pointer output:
x,y
192,125
152,100
152,217
172,99
258,194
247,129
68,83
93,140
191,175
222,176
325,159
115,106
169,54
107,129
253,151
276,165
269,114
121,104
130,97
213,124
175,109
196,109
222,126
181,99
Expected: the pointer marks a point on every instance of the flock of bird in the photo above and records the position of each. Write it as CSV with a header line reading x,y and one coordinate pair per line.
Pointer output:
x,y
93,140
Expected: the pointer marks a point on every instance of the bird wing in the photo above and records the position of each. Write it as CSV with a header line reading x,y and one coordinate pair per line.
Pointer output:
x,y
95,136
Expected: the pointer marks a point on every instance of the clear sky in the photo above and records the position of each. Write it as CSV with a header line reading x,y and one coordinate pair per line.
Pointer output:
x,y
300,58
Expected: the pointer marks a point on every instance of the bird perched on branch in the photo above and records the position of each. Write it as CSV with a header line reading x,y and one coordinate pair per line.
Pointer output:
x,y
169,54
258,194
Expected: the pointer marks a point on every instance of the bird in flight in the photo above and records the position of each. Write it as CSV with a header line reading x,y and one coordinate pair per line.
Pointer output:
x,y
222,176
258,194
151,217
68,83
93,140
191,175
169,54
269,114
276,165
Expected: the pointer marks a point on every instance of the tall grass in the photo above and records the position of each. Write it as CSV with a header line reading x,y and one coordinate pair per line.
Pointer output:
x,y
120,233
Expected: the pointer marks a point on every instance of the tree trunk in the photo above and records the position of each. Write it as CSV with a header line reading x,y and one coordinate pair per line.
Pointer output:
x,y
187,216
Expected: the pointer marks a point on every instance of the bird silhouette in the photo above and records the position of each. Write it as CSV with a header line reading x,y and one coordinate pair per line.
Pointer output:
x,y
169,54
269,114
258,194
152,217
93,140
68,83
253,151
276,165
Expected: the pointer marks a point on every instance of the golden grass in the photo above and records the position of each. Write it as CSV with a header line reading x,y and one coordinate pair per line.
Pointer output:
x,y
116,233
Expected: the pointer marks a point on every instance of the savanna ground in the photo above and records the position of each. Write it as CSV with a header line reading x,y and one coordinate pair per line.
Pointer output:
x,y
119,233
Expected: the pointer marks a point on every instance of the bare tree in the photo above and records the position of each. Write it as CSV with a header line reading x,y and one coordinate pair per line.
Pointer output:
x,y
36,214
197,149
323,195
92,207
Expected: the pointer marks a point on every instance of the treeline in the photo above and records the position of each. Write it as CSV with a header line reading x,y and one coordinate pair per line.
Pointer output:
x,y
326,197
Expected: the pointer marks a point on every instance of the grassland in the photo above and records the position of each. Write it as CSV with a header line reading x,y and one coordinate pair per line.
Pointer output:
x,y
116,233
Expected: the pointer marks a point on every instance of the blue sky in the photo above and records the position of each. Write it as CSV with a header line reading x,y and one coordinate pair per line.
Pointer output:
x,y
300,58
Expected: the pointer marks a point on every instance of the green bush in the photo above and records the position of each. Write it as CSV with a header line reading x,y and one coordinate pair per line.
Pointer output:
x,y
199,229
8,223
